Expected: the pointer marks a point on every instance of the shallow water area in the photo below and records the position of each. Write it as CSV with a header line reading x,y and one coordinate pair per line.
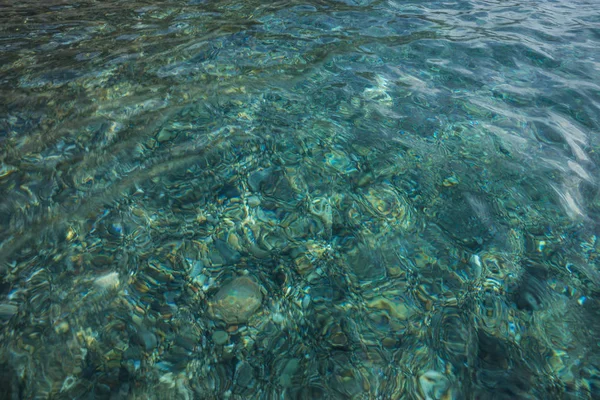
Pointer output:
x,y
299,200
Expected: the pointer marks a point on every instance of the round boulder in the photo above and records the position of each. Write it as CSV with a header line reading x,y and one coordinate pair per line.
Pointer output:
x,y
236,301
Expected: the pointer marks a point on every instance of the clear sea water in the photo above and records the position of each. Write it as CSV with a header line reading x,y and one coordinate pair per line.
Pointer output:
x,y
299,199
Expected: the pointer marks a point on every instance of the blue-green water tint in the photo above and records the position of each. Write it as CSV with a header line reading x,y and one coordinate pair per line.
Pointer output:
x,y
408,189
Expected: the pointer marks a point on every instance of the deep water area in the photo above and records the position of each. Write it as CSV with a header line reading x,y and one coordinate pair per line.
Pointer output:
x,y
354,199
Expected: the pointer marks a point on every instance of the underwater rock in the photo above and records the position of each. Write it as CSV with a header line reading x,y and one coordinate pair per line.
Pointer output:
x,y
12,387
244,375
260,178
531,292
289,371
7,311
236,301
220,337
107,281
229,255
146,339
434,386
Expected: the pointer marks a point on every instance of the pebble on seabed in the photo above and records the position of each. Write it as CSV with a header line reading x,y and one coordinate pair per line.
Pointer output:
x,y
435,386
108,281
236,301
220,337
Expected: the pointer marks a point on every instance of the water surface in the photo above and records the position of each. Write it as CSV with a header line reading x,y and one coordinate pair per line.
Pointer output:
x,y
299,200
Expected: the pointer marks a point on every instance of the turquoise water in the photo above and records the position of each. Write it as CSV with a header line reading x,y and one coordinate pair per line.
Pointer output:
x,y
299,200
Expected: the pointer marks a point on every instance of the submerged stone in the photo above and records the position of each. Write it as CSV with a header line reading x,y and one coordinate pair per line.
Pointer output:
x,y
146,339
220,337
434,385
236,301
7,311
